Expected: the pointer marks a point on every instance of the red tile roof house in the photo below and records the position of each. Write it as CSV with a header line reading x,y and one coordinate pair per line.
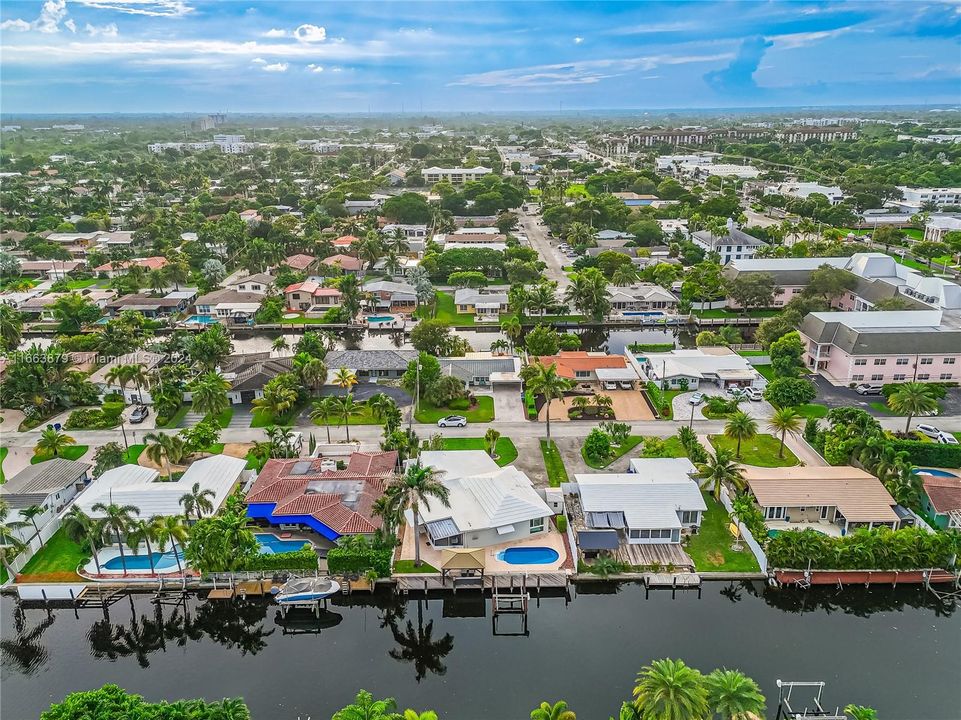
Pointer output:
x,y
300,262
345,263
148,263
332,503
345,241
311,296
580,365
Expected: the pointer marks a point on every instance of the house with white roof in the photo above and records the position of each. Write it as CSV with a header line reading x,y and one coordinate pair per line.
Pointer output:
x,y
640,297
488,504
455,176
940,225
49,485
718,366
733,245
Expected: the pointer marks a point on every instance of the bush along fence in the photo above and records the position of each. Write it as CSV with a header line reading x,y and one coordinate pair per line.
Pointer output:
x,y
656,396
746,534
929,454
304,559
356,555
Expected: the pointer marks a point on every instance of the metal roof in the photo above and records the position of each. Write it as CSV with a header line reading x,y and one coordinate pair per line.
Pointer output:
x,y
45,477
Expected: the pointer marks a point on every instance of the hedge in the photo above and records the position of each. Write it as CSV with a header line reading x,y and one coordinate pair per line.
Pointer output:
x,y
357,555
657,398
304,559
930,454
95,418
651,347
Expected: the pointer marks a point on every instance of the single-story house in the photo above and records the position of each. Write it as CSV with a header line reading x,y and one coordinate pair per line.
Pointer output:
x,y
640,297
149,360
312,493
347,263
311,296
259,283
483,369
230,307
488,505
345,242
247,374
484,304
409,231
656,501
43,305
833,500
49,485
941,500
51,269
583,366
113,270
152,306
393,296
719,366
300,262
371,365
141,487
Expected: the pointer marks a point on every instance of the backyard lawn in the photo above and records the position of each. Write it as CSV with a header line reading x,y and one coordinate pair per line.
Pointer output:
x,y
81,284
711,549
752,353
766,370
760,450
402,567
132,455
56,561
445,310
618,451
812,410
554,463
301,320
504,450
71,452
725,313
482,412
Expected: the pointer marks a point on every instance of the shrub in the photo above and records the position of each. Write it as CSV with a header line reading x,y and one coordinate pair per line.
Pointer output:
x,y
356,554
111,701
561,522
929,454
459,404
657,397
303,559
112,410
654,447
114,397
597,446
92,419
811,430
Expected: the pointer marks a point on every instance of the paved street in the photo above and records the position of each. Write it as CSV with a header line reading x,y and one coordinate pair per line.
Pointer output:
x,y
537,235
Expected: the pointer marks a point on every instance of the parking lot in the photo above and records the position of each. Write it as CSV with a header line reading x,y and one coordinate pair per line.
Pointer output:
x,y
834,396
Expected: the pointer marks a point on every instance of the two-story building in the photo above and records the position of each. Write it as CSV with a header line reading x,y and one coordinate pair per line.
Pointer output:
x,y
640,299
455,176
392,296
483,304
733,245
310,296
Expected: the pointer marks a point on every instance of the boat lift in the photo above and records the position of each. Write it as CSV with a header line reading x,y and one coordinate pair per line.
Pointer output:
x,y
784,709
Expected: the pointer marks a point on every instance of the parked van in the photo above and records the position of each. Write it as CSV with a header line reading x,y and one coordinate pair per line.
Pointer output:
x,y
867,389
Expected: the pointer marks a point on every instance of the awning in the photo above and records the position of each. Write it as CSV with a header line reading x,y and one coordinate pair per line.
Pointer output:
x,y
462,559
606,520
441,529
598,540
625,373
505,529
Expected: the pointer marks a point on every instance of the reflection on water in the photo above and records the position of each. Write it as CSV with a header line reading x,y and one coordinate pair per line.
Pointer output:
x,y
586,651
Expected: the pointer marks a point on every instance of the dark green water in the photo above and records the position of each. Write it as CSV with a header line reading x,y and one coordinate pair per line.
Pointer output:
x,y
896,650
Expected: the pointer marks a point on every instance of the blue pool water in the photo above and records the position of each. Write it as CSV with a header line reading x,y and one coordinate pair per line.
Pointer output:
x,y
380,318
528,555
933,472
103,321
270,544
201,320
141,563
635,313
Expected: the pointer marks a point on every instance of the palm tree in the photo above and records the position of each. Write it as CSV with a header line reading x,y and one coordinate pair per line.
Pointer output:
x,y
860,712
379,405
232,709
310,371
279,344
10,544
118,375
490,440
740,427
670,690
140,530
198,501
79,526
499,345
415,487
170,529
625,275
347,407
912,398
209,395
733,695
11,327
511,327
544,380
719,469
164,448
52,442
31,513
137,374
117,518
322,410
345,378
785,420
557,711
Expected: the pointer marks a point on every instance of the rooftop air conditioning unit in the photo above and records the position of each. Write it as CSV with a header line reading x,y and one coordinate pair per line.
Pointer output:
x,y
328,465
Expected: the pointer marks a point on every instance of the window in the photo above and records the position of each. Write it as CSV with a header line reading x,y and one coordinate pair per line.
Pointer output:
x,y
861,361
582,373
880,361
773,513
945,376
857,377
923,376
899,376
877,377
949,361
902,361
927,361
537,525
689,517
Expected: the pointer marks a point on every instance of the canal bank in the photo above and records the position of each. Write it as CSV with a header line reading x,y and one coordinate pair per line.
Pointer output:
x,y
441,651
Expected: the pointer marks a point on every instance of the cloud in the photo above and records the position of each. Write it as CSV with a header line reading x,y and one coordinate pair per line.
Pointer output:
x,y
275,33
584,72
790,41
313,67
108,31
153,8
310,33
15,25
578,40
276,67
51,13
738,76
70,25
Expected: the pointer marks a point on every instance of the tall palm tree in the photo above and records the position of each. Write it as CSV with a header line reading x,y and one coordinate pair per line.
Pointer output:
x,y
141,531
543,380
414,488
912,398
785,420
79,526
721,468
52,442
322,410
733,695
117,518
670,690
490,440
311,371
345,378
511,327
170,529
379,405
347,407
557,711
164,448
197,501
31,513
137,374
209,395
740,427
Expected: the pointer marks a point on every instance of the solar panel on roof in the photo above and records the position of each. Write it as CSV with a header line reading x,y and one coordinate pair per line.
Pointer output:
x,y
301,468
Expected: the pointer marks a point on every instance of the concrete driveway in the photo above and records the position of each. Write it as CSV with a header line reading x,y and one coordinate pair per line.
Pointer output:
x,y
759,410
508,403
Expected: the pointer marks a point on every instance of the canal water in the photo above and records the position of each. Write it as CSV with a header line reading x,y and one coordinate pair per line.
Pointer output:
x,y
898,650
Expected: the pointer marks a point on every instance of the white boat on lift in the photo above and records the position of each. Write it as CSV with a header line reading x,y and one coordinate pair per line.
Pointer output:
x,y
306,590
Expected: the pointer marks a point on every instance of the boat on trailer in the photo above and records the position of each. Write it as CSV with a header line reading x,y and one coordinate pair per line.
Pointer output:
x,y
306,590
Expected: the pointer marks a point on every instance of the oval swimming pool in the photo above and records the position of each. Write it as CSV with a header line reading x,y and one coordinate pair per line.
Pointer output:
x,y
933,472
528,555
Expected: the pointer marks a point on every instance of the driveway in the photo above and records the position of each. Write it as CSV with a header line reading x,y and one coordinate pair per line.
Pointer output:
x,y
508,403
759,410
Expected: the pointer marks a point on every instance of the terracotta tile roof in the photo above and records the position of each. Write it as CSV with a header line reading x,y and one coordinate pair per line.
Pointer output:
x,y
569,362
299,261
381,463
944,493
151,263
345,241
345,261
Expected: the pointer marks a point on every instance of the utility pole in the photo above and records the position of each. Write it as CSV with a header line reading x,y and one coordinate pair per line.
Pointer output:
x,y
410,423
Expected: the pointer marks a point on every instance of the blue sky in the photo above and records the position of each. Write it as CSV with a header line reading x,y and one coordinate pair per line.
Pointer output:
x,y
190,55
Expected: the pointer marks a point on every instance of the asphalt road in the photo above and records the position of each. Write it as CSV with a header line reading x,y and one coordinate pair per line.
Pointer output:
x,y
537,236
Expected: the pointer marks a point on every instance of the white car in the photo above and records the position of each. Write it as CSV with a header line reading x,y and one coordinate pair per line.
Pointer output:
x,y
452,421
753,393
947,439
697,398
610,385
929,430
736,393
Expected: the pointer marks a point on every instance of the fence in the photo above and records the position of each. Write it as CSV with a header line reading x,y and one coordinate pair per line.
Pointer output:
x,y
745,533
46,532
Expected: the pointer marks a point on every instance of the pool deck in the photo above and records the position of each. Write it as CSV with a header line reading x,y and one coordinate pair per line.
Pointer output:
x,y
111,552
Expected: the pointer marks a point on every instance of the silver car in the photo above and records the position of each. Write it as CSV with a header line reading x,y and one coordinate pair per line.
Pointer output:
x,y
452,421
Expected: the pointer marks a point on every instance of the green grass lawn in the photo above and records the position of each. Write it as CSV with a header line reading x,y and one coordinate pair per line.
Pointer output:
x,y
618,452
262,418
3,456
554,463
711,549
672,448
812,410
133,453
761,450
669,396
881,407
445,310
81,284
725,313
71,452
752,353
504,450
301,320
766,371
59,554
223,419
177,418
481,413
403,567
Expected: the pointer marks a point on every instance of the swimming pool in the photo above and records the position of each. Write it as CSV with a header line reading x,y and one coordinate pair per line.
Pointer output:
x,y
381,319
642,314
528,555
270,544
161,561
201,320
933,472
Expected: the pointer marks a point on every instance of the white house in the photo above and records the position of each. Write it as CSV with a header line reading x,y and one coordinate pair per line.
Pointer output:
x,y
456,176
913,199
735,245
719,366
489,505
640,297
49,485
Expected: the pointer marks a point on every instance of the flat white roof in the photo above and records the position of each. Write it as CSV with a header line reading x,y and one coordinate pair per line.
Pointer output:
x,y
886,319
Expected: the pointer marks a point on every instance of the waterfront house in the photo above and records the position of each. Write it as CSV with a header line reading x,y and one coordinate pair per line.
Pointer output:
x,y
586,367
832,500
50,485
639,298
733,245
312,493
483,304
941,500
43,305
482,369
488,504
229,307
310,296
259,283
392,296
719,366
151,306
371,365
247,375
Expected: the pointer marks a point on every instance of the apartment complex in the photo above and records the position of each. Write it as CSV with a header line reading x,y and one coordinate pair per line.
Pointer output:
x,y
455,176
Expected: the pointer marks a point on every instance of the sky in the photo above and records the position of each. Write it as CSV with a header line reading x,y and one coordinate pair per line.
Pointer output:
x,y
93,56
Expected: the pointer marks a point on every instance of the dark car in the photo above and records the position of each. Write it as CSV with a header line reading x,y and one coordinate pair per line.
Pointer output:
x,y
139,414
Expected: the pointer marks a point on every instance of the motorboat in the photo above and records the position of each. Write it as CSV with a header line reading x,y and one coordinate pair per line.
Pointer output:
x,y
300,590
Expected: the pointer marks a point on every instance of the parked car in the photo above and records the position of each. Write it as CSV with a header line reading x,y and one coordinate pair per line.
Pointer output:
x,y
929,430
947,438
139,414
868,389
626,385
452,421
753,394
736,393
697,398
610,385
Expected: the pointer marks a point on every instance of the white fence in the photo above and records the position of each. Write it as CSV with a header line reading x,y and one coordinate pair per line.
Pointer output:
x,y
46,532
745,533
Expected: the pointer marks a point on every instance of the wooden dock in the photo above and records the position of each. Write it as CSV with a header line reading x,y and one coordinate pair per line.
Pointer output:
x,y
672,580
227,593
406,582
